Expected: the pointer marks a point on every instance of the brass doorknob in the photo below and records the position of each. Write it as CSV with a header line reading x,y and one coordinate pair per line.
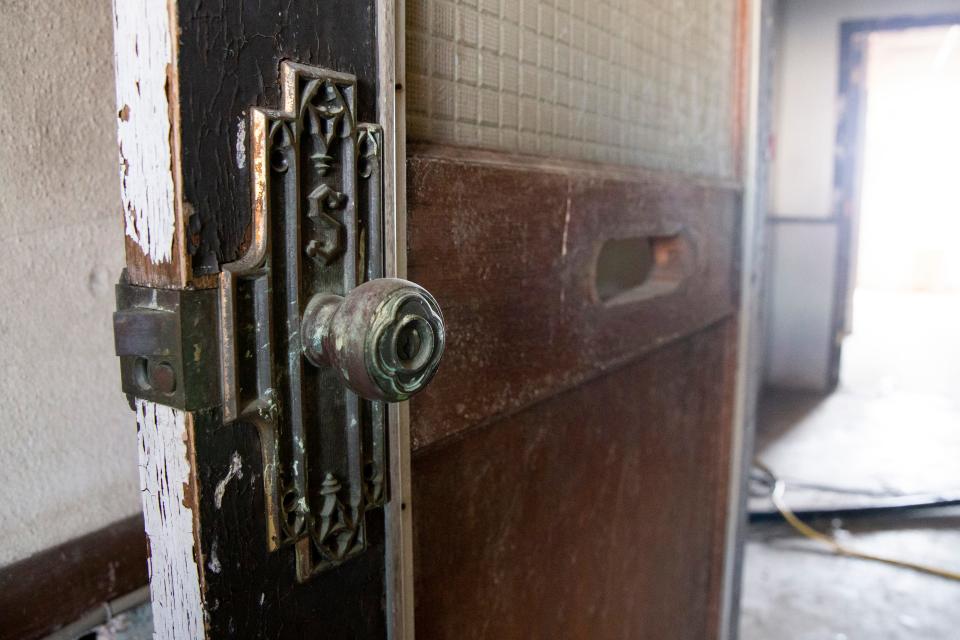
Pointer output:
x,y
384,338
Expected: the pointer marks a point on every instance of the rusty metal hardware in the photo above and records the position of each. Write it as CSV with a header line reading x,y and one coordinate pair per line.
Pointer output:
x,y
168,347
313,339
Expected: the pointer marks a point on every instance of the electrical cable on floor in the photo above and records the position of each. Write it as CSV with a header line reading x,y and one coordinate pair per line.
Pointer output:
x,y
779,489
882,502
764,479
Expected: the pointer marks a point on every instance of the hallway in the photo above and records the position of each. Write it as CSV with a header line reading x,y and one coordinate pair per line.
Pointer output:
x,y
892,427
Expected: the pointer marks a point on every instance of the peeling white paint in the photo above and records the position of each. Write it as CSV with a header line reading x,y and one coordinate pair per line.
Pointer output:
x,y
165,478
214,562
235,471
241,142
143,55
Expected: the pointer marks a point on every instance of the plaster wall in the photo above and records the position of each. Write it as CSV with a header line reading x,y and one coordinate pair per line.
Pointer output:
x,y
68,456
801,281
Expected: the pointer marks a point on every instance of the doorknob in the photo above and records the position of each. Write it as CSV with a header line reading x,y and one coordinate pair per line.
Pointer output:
x,y
384,339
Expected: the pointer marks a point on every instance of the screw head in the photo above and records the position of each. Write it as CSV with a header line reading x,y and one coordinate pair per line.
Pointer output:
x,y
163,378
154,376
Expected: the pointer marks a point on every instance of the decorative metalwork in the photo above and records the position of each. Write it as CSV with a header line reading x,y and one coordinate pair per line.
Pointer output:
x,y
317,230
334,531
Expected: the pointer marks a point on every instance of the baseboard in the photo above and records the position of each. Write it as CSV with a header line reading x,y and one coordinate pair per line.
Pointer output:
x,y
50,589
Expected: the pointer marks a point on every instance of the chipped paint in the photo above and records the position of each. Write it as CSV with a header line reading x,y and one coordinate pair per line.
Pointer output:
x,y
166,479
235,471
241,142
214,562
144,55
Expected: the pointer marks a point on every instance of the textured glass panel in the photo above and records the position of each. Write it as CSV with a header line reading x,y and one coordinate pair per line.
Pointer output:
x,y
641,82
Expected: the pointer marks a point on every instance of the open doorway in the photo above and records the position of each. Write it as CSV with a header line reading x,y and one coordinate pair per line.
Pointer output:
x,y
906,284
903,349
858,459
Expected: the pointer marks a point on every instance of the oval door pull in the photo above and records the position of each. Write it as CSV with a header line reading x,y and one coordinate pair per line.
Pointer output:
x,y
384,339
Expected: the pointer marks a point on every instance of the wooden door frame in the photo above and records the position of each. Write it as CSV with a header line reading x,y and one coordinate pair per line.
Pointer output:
x,y
146,49
755,88
391,103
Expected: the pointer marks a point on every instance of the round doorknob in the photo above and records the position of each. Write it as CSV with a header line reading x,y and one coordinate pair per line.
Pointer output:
x,y
385,338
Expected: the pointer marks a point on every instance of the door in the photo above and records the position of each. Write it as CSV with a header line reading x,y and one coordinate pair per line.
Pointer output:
x,y
573,204
570,198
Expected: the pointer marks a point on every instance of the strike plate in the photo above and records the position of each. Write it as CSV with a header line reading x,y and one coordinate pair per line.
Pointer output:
x,y
167,343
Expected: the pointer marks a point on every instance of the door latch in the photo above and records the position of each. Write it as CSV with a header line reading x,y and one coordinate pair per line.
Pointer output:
x,y
168,346
313,340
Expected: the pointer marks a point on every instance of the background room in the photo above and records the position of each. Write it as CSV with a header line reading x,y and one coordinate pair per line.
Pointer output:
x,y
860,415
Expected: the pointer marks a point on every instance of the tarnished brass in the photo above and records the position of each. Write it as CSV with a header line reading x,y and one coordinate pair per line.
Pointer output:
x,y
313,339
384,339
167,343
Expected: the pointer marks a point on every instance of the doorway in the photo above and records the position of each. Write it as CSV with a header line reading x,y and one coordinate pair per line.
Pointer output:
x,y
872,462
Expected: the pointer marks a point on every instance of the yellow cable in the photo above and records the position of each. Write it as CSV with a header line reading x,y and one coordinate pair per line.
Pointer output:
x,y
779,488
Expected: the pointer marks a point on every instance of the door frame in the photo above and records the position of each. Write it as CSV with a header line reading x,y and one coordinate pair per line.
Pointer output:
x,y
756,90
398,512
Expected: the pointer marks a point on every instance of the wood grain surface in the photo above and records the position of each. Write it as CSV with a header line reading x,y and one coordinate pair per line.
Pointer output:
x,y
595,514
508,246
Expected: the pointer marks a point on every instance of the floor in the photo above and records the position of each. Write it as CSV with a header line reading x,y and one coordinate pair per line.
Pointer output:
x,y
136,624
892,427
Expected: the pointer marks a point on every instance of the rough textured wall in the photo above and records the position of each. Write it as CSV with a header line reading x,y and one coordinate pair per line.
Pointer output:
x,y
643,82
68,454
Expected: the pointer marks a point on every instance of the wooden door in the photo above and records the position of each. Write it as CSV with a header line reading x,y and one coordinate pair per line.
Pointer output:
x,y
570,195
573,202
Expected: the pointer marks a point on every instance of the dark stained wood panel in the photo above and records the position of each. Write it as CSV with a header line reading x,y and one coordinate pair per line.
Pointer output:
x,y
508,247
252,593
229,60
595,514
